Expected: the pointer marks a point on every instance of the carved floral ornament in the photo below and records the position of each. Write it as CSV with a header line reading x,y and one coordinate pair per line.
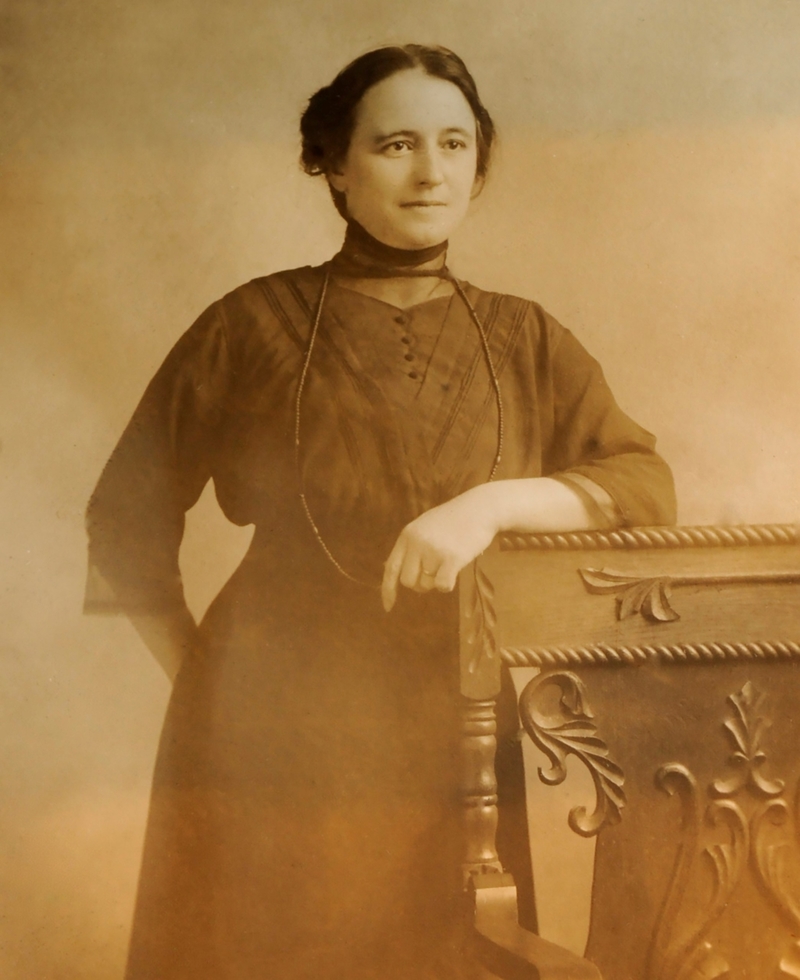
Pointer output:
x,y
746,807
762,831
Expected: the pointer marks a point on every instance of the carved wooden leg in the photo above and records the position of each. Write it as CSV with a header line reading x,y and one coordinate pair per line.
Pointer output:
x,y
479,786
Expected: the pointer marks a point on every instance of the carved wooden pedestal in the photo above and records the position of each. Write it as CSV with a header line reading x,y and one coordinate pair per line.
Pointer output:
x,y
670,666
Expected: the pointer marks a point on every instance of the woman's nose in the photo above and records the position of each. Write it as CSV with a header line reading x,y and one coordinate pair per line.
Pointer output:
x,y
429,170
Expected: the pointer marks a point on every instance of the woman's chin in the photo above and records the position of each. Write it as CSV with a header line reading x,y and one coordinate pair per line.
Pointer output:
x,y
417,238
413,232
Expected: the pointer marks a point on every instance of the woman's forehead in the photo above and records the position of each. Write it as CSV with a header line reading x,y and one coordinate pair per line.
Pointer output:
x,y
412,101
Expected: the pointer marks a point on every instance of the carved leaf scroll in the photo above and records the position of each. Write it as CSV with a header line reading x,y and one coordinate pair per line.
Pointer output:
x,y
482,619
775,857
686,954
651,596
570,730
648,596
675,779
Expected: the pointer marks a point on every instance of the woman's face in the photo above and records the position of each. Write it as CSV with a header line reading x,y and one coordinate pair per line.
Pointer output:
x,y
409,173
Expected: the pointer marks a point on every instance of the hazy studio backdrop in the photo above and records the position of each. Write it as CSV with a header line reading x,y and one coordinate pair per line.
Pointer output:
x,y
647,192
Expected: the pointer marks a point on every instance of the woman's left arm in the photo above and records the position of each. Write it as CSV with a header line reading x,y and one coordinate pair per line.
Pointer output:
x,y
432,550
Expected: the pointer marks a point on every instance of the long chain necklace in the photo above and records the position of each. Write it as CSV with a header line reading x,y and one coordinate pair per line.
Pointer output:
x,y
443,273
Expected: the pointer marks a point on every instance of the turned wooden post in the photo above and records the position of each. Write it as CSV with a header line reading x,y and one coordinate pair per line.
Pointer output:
x,y
479,786
480,685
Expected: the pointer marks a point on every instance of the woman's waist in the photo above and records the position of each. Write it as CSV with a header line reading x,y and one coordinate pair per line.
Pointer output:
x,y
292,584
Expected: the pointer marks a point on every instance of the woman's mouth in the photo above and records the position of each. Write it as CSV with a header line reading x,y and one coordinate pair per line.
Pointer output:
x,y
423,204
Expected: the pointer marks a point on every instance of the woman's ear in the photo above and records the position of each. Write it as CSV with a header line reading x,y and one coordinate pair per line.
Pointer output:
x,y
477,187
337,181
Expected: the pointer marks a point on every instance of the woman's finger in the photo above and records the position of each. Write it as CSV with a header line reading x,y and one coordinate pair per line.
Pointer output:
x,y
411,570
445,580
391,573
426,580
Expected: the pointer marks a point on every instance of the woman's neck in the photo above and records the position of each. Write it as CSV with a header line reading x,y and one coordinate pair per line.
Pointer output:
x,y
401,277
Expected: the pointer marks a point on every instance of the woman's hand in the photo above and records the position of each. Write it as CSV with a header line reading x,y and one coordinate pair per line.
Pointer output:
x,y
433,549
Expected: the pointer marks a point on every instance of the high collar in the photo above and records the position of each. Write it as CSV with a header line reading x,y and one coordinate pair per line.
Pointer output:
x,y
363,256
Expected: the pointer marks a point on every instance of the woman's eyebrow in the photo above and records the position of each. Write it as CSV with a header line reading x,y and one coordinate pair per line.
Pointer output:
x,y
396,134
382,137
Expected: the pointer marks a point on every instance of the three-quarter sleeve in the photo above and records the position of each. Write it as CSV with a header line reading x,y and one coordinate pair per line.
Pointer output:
x,y
135,517
594,439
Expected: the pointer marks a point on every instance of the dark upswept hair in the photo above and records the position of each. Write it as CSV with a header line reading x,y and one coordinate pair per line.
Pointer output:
x,y
327,124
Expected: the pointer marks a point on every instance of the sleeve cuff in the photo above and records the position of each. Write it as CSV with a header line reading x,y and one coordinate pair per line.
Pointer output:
x,y
102,598
598,501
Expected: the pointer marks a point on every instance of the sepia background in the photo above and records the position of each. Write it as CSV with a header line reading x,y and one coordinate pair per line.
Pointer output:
x,y
647,192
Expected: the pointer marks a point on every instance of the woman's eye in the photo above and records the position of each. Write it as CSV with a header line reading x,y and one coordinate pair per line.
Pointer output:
x,y
455,145
398,146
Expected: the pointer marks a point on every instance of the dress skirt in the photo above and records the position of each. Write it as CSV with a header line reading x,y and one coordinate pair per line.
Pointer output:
x,y
304,819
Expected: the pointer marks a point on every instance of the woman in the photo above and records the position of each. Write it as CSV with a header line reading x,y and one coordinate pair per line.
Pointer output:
x,y
379,422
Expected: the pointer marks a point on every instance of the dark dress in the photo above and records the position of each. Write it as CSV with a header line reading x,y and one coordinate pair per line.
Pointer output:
x,y
304,818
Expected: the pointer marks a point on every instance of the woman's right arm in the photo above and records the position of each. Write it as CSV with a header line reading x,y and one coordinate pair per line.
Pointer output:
x,y
135,518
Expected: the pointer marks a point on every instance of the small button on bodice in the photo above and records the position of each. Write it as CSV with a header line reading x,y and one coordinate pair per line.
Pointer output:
x,y
394,346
